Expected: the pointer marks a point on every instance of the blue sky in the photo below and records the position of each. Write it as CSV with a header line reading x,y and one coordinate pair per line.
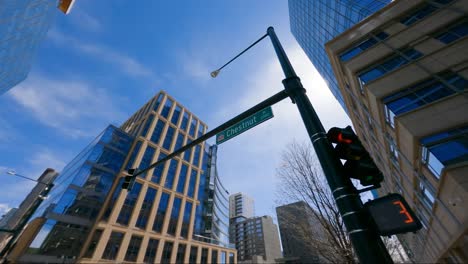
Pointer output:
x,y
104,60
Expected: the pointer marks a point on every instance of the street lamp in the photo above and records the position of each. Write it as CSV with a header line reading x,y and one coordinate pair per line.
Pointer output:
x,y
367,244
14,173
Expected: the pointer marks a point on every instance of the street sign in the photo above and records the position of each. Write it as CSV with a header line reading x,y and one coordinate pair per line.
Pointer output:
x,y
244,125
392,215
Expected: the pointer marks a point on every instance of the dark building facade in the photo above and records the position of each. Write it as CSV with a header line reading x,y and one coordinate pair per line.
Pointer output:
x,y
256,239
314,23
35,197
298,227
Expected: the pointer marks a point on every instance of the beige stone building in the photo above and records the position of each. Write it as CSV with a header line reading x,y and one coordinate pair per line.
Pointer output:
x,y
403,74
91,219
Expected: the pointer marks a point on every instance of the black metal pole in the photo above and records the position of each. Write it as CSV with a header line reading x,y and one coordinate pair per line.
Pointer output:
x,y
367,244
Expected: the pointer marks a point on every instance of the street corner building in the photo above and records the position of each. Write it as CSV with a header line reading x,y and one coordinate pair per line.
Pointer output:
x,y
23,26
314,23
403,74
172,213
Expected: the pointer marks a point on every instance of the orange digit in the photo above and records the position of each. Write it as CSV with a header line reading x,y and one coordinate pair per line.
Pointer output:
x,y
409,219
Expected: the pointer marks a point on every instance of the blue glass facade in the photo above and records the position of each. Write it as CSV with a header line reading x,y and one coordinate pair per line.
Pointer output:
x,y
79,194
23,25
212,219
167,201
314,23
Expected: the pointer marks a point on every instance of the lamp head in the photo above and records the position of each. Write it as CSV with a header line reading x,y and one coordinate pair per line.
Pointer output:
x,y
11,172
214,73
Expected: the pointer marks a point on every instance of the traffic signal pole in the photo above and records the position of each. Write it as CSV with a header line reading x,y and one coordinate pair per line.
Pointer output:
x,y
366,242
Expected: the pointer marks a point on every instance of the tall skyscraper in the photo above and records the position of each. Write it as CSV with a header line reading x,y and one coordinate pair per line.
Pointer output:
x,y
314,23
90,218
300,230
23,25
404,77
257,240
241,205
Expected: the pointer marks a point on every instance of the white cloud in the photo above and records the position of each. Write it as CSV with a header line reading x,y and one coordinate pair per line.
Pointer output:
x,y
85,21
45,158
126,64
248,162
4,208
73,107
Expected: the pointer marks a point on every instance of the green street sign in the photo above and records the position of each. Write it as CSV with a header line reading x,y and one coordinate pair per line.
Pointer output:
x,y
244,125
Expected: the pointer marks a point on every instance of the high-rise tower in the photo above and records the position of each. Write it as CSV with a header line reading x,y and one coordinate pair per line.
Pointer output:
x,y
403,73
90,218
23,25
314,23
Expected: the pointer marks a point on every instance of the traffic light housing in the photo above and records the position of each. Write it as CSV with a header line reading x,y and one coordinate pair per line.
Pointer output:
x,y
129,180
359,164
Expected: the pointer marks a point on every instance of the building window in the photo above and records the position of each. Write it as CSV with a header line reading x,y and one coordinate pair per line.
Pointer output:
x,y
146,208
196,156
453,33
393,149
147,125
389,64
443,149
158,102
427,193
181,254
146,159
171,174
111,205
158,170
186,220
167,252
151,250
156,136
204,256
176,115
182,178
223,257
231,257
129,204
422,93
135,151
133,248
193,254
92,245
193,125
113,245
422,12
179,141
362,46
169,136
161,213
167,108
185,120
201,129
172,228
193,180
214,256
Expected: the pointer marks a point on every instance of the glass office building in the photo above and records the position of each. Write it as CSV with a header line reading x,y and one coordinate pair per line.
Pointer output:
x,y
77,197
151,222
314,23
23,25
213,225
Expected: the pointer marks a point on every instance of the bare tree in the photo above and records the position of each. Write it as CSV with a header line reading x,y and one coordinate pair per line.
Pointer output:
x,y
301,179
